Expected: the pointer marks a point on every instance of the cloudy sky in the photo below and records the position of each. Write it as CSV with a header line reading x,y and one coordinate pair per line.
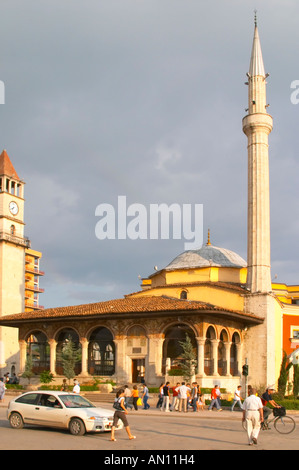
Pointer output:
x,y
143,99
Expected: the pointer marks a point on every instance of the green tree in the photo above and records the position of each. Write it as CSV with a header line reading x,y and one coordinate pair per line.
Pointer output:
x,y
28,372
189,361
284,373
46,377
69,355
296,381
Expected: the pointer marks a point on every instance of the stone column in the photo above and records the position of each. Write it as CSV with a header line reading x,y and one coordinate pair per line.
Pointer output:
x,y
227,346
23,350
121,371
84,360
200,356
155,355
214,343
53,345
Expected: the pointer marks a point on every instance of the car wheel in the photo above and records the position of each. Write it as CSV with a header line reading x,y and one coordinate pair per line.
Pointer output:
x,y
77,427
16,421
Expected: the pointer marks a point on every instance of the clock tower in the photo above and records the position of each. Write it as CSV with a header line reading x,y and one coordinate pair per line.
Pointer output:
x,y
12,259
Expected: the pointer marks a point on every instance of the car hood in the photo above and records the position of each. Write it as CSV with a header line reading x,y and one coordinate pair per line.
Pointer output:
x,y
88,412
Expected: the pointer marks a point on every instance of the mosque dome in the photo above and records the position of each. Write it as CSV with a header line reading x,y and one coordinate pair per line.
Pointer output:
x,y
208,255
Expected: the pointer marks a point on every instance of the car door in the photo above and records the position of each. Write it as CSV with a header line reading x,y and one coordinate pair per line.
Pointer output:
x,y
49,411
26,405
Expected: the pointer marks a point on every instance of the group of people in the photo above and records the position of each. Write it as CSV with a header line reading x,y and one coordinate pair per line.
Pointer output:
x,y
254,409
132,398
6,379
183,396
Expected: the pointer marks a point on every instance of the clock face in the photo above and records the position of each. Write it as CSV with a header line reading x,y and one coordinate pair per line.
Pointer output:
x,y
13,207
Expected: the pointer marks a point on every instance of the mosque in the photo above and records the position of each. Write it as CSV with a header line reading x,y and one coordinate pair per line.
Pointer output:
x,y
229,307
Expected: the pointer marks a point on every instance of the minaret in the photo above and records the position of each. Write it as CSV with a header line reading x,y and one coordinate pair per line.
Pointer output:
x,y
257,125
259,347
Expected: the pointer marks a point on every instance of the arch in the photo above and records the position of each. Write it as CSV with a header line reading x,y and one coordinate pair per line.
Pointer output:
x,y
174,335
38,348
136,331
63,338
222,362
101,352
208,351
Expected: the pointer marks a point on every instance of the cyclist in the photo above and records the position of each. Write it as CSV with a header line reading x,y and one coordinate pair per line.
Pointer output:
x,y
268,398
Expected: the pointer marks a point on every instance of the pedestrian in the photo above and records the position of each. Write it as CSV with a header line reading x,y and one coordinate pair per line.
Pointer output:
x,y
253,415
76,388
237,398
145,397
214,399
194,396
201,400
14,379
120,413
183,393
175,397
218,392
160,399
64,387
135,395
166,398
2,390
128,397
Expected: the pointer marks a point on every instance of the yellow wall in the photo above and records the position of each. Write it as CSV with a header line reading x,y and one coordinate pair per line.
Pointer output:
x,y
220,297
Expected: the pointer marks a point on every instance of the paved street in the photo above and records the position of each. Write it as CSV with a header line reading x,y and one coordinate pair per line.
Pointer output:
x,y
155,430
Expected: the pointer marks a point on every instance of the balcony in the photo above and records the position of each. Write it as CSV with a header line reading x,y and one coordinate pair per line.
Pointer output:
x,y
33,287
33,305
34,270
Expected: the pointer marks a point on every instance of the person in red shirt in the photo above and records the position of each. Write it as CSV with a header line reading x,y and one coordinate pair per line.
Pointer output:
x,y
214,399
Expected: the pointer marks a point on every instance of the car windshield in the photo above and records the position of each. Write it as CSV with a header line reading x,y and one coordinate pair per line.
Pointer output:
x,y
75,401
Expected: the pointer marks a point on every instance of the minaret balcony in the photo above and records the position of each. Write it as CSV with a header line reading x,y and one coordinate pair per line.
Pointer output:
x,y
257,121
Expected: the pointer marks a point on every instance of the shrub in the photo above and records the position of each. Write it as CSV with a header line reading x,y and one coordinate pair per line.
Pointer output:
x,y
46,377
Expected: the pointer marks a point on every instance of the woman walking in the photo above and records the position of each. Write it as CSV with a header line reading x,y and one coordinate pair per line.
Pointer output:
x,y
120,413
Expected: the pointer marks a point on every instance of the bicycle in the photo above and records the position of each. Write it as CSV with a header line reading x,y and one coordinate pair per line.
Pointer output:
x,y
283,424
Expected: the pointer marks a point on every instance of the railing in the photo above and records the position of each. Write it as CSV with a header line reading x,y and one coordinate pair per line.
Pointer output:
x,y
33,270
8,237
33,287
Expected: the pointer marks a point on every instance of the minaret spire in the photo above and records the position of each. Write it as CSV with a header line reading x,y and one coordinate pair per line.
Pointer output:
x,y
257,125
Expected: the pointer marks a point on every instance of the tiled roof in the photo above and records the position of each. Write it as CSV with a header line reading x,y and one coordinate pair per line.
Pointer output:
x,y
124,306
6,167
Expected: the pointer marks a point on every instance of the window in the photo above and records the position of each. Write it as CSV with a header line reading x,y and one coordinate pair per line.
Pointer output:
x,y
29,399
295,332
183,295
49,401
12,230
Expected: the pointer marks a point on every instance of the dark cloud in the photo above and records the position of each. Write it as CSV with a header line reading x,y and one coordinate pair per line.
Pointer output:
x,y
143,99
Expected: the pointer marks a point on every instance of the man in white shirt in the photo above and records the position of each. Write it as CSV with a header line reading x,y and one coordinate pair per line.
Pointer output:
x,y
237,398
253,415
76,388
183,394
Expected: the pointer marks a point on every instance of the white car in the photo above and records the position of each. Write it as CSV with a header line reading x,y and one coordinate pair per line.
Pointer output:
x,y
59,409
